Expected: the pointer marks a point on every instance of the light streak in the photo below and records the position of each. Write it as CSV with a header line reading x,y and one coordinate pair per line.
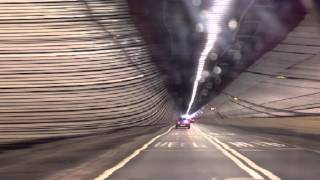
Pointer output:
x,y
215,16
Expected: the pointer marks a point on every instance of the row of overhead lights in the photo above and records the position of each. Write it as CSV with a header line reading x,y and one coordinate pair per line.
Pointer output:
x,y
211,22
213,26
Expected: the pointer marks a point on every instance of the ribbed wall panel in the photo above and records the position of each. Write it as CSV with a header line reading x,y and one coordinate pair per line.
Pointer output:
x,y
74,67
283,82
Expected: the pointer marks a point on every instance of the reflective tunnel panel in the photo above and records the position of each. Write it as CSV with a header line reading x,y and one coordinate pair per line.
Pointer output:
x,y
284,82
73,68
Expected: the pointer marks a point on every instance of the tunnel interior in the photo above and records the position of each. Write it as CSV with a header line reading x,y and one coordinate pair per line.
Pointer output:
x,y
74,68
159,89
174,30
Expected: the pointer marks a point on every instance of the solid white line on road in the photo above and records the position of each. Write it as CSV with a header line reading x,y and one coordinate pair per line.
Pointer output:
x,y
250,171
245,159
106,174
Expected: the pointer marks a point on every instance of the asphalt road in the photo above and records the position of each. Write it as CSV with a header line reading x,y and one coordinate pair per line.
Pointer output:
x,y
219,153
79,158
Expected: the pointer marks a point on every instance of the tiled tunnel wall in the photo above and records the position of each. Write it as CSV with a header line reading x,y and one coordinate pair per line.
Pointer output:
x,y
72,67
284,82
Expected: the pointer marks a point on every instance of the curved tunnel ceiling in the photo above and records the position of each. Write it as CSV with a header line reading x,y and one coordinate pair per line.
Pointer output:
x,y
284,82
172,29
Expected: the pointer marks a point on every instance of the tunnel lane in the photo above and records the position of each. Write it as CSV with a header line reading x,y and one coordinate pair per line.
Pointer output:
x,y
215,153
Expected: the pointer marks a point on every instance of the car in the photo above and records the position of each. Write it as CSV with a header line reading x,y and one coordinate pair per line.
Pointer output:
x,y
183,122
192,120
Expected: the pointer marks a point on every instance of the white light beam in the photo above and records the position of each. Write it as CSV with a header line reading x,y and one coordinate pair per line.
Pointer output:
x,y
214,26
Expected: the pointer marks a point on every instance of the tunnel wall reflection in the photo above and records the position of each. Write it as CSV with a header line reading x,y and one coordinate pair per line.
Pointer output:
x,y
75,67
285,82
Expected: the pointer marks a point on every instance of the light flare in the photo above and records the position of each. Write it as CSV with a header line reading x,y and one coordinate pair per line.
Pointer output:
x,y
215,17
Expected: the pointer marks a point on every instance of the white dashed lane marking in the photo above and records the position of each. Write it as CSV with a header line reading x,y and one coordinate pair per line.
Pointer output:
x,y
164,144
258,142
270,144
222,134
107,173
203,146
157,144
241,144
233,178
240,160
179,145
248,161
195,145
261,146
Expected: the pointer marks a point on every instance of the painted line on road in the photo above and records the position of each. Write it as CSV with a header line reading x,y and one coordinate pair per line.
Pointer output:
x,y
158,144
240,164
269,144
245,159
106,174
241,144
164,144
239,178
252,164
195,145
294,145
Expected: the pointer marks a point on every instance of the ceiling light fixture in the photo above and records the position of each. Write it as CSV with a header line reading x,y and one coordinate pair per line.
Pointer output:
x,y
214,25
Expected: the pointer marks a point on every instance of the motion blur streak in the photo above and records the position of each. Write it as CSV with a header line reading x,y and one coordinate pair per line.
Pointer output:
x,y
215,17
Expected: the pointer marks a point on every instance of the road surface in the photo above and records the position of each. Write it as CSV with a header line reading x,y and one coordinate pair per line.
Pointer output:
x,y
218,153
